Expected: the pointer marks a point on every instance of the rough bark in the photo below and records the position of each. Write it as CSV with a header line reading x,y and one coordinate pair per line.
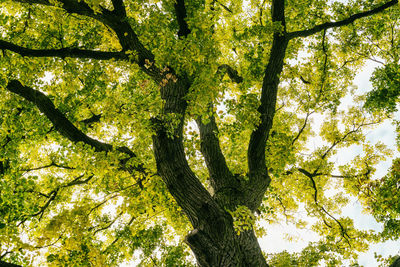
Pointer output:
x,y
213,240
6,264
258,174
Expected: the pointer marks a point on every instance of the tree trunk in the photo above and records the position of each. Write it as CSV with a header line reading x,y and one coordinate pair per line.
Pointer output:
x,y
227,249
213,241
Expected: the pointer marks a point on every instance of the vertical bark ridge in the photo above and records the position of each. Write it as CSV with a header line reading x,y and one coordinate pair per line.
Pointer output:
x,y
221,178
259,179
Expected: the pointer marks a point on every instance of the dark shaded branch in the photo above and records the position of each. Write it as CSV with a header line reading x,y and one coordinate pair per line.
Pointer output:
x,y
259,179
52,195
52,243
304,80
98,205
6,264
75,7
63,125
351,19
343,138
78,181
220,175
52,164
62,52
60,122
180,11
232,73
119,236
120,25
93,119
223,6
314,185
302,128
108,225
284,208
119,7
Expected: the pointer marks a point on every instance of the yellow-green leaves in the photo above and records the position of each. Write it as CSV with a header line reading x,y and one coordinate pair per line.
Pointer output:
x,y
243,219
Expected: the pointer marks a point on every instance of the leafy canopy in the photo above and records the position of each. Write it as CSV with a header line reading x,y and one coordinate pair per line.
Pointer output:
x,y
78,179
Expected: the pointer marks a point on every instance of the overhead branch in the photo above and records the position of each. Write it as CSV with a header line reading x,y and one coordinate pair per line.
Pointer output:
x,y
180,11
302,128
62,52
60,122
52,164
119,24
119,7
343,231
259,179
347,21
232,73
73,7
6,264
220,175
92,119
355,129
52,196
222,5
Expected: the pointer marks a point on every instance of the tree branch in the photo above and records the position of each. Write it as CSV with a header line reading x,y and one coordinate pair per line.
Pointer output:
x,y
6,264
74,7
220,175
62,52
92,119
302,128
61,123
119,7
352,18
259,179
180,11
343,232
232,73
119,24
52,164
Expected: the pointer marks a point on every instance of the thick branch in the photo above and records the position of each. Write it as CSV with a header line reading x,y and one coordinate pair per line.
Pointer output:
x,y
183,184
256,152
119,7
91,120
180,11
119,24
232,73
6,264
62,52
60,122
220,175
347,21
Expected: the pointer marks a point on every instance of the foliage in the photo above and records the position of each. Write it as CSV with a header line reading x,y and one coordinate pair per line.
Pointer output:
x,y
109,108
386,81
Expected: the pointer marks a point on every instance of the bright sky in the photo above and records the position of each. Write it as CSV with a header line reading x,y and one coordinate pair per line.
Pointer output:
x,y
274,240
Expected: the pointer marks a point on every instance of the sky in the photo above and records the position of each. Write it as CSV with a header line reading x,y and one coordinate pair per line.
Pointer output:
x,y
274,241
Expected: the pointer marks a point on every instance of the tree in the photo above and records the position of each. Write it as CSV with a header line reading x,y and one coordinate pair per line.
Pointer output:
x,y
126,123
